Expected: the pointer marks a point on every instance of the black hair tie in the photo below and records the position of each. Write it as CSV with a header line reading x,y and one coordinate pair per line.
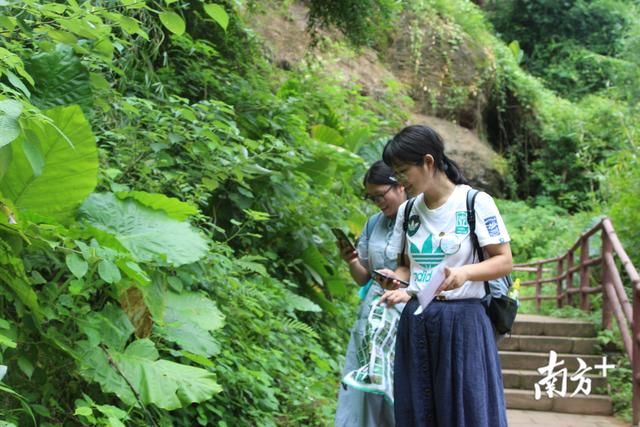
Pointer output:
x,y
445,163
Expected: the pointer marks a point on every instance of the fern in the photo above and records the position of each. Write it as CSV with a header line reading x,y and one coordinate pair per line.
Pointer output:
x,y
297,325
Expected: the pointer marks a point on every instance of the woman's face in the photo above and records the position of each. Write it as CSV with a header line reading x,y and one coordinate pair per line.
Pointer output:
x,y
386,197
415,178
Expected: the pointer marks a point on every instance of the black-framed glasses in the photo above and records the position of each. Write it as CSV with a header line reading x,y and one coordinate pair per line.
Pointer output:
x,y
401,175
377,198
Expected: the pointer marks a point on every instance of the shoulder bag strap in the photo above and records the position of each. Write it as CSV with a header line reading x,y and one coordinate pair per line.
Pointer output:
x,y
405,226
369,226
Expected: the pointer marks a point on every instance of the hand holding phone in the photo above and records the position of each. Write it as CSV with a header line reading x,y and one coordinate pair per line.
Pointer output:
x,y
382,278
343,240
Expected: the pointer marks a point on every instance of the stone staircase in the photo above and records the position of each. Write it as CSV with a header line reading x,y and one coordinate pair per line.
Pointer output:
x,y
527,349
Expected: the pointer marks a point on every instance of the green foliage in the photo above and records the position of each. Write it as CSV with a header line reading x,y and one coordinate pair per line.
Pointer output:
x,y
124,313
61,79
574,46
542,231
620,388
14,277
173,22
114,312
61,169
362,21
218,14
622,181
95,414
599,25
148,234
188,321
9,125
166,384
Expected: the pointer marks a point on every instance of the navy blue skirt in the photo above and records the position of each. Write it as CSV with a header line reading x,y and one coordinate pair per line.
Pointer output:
x,y
447,370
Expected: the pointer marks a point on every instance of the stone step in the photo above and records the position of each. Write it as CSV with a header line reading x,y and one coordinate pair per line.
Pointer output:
x,y
546,343
531,361
526,380
531,324
578,404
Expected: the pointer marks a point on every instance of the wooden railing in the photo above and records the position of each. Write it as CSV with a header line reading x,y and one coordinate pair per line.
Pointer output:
x,y
574,279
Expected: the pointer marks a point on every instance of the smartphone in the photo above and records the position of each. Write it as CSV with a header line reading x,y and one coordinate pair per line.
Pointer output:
x,y
383,276
343,239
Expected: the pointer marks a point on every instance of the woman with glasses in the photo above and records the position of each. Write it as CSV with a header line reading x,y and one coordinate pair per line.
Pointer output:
x,y
447,371
356,407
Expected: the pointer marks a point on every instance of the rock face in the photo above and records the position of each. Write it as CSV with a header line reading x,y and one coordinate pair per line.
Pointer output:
x,y
429,57
448,74
285,37
287,43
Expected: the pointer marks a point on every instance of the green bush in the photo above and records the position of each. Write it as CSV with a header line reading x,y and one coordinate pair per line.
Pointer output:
x,y
262,169
364,22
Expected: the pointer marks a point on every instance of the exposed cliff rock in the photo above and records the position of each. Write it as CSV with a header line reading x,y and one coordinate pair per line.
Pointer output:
x,y
448,74
429,58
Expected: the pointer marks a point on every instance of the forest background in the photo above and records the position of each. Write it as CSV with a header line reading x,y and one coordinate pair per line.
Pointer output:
x,y
168,183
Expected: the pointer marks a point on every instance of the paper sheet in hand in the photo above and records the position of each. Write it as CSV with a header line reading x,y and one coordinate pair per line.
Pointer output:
x,y
426,294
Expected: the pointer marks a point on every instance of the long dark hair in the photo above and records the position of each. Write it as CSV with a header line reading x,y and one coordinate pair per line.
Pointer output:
x,y
412,143
379,174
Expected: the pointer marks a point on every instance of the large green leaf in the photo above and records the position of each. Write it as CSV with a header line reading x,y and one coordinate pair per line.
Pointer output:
x,y
173,207
69,173
190,338
166,384
373,150
60,78
193,308
111,326
300,303
149,235
188,320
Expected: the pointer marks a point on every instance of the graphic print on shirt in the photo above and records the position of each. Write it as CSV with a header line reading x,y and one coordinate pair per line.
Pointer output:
x,y
414,225
427,258
462,226
492,226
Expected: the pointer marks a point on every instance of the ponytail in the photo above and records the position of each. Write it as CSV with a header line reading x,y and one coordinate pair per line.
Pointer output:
x,y
453,171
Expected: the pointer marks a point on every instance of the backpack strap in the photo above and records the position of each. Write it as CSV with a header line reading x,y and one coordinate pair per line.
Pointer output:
x,y
471,220
369,226
405,226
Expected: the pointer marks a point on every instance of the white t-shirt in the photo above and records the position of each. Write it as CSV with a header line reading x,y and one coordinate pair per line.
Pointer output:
x,y
441,235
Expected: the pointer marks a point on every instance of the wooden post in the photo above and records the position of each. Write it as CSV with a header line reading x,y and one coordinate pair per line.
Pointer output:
x,y
606,281
538,287
584,274
560,271
569,277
